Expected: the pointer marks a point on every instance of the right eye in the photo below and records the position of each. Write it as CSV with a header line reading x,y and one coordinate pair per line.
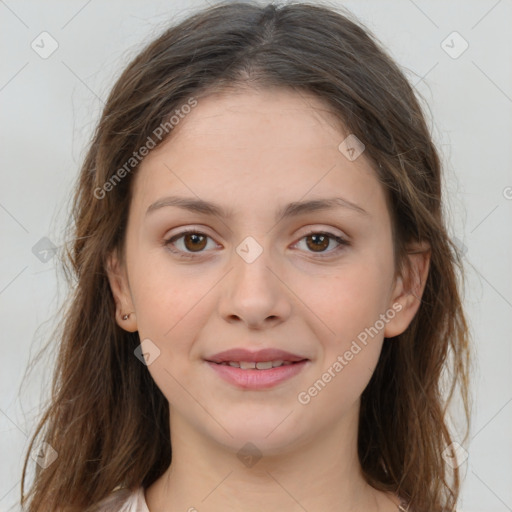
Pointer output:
x,y
193,242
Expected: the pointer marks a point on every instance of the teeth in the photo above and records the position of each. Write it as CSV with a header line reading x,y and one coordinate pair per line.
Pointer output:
x,y
264,365
261,365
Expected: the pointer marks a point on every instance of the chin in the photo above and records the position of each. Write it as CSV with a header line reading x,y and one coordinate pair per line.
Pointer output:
x,y
266,431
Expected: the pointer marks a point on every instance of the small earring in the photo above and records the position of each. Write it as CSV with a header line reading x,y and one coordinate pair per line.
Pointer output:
x,y
125,317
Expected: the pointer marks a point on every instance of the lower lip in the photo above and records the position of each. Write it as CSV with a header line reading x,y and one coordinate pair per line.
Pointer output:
x,y
257,379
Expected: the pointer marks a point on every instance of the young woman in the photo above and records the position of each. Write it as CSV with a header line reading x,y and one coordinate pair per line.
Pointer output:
x,y
266,312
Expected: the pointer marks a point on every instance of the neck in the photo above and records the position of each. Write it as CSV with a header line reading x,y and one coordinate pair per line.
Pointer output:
x,y
323,473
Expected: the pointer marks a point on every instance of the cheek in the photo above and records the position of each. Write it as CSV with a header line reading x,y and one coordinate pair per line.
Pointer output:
x,y
334,391
350,304
351,298
165,294
172,304
351,335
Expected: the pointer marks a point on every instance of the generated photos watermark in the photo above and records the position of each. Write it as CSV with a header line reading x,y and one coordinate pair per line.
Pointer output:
x,y
304,397
137,156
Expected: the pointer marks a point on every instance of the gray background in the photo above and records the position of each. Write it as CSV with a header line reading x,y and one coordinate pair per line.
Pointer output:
x,y
50,106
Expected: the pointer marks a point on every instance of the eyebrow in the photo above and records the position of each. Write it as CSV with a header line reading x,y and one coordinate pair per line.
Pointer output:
x,y
290,210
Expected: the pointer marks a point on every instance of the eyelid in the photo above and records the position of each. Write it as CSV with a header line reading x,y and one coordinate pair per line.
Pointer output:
x,y
331,230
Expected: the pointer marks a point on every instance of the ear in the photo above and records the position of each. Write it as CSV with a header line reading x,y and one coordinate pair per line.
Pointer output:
x,y
408,289
118,279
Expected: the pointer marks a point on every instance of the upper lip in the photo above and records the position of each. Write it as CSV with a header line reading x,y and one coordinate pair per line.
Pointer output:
x,y
266,354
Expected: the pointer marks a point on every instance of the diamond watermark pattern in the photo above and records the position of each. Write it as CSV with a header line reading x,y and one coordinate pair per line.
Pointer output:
x,y
454,45
44,250
249,454
460,246
45,455
351,147
455,455
147,352
249,249
44,45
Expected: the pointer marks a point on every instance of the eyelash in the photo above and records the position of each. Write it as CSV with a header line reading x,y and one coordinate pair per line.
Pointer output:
x,y
182,254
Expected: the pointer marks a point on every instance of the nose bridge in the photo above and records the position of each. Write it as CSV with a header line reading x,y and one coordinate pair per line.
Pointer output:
x,y
253,292
251,261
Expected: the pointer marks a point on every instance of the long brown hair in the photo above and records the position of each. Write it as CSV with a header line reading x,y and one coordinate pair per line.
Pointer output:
x,y
107,419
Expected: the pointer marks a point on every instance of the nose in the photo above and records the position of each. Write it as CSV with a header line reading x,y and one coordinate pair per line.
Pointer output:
x,y
254,292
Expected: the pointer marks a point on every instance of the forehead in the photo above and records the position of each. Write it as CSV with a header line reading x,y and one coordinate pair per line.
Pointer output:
x,y
245,145
258,114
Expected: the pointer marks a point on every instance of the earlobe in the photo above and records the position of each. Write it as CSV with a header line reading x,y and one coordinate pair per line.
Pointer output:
x,y
408,289
118,280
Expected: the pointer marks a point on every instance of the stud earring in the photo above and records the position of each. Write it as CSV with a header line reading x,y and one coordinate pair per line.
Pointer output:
x,y
125,317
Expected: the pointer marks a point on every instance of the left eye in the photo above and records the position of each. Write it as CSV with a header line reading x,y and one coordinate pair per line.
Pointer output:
x,y
321,240
195,242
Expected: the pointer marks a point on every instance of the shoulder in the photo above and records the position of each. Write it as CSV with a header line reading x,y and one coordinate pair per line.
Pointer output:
x,y
123,500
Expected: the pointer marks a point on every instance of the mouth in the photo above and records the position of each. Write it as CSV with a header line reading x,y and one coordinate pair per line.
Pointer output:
x,y
260,365
256,371
244,357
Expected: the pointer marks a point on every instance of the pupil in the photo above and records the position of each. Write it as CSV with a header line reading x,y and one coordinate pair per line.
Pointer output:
x,y
195,237
323,237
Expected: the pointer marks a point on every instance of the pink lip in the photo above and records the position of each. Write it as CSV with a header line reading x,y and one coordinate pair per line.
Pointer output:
x,y
257,379
253,378
266,354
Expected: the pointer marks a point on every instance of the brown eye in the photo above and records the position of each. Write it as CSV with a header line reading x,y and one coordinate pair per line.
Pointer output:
x,y
194,241
187,243
319,242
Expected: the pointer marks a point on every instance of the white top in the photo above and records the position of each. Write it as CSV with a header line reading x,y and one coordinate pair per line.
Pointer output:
x,y
136,502
124,500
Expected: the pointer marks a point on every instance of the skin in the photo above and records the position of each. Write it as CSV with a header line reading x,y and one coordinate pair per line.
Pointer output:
x,y
254,151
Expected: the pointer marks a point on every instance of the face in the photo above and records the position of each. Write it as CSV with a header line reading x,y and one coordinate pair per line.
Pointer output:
x,y
317,283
